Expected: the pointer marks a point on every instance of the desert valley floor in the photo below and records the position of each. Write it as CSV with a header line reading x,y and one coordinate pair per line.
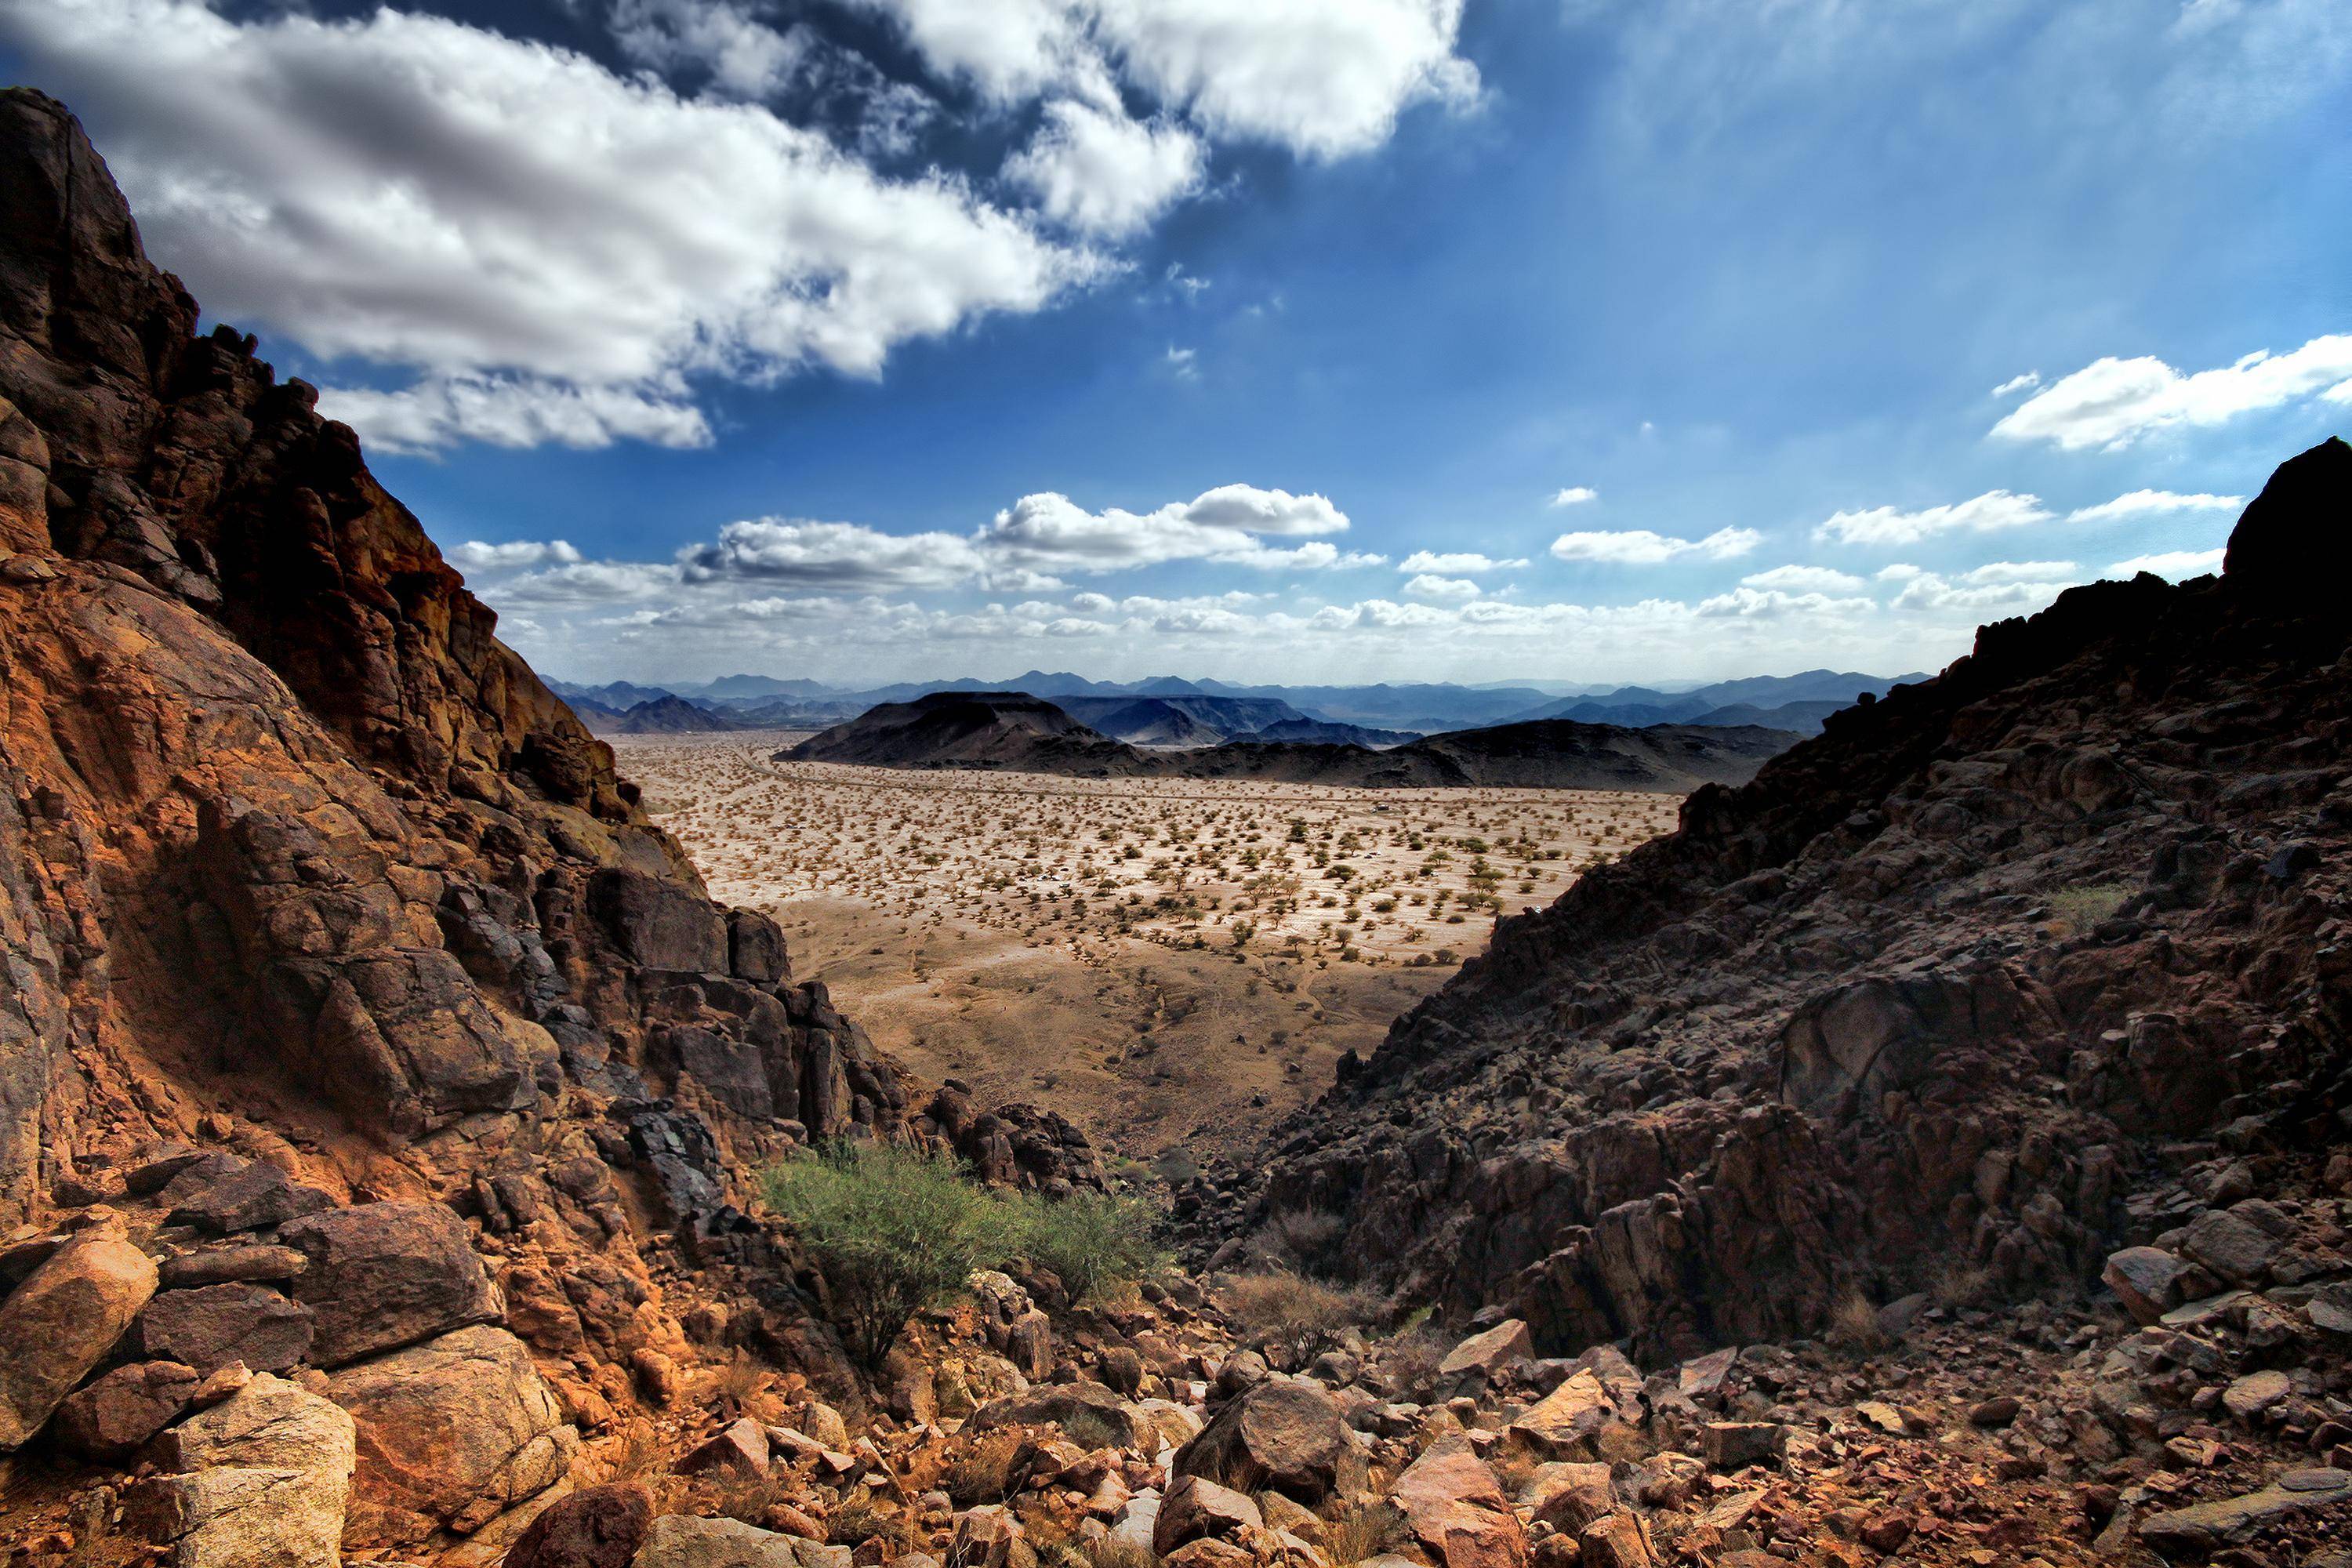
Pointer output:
x,y
1169,961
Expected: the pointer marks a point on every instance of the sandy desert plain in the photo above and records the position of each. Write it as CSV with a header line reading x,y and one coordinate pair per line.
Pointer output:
x,y
1179,963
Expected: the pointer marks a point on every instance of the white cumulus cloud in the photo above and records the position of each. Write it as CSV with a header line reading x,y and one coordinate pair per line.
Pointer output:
x,y
1574,495
508,216
1804,580
2146,503
830,555
1641,547
1429,586
2113,402
511,556
1102,173
1455,563
1987,513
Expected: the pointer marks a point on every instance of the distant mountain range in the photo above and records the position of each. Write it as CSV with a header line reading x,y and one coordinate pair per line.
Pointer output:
x,y
1016,731
1169,711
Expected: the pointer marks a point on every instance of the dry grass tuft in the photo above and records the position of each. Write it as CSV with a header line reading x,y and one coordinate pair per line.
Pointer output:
x,y
1356,1534
1289,1309
982,1472
2076,910
1112,1553
1958,1286
1854,1326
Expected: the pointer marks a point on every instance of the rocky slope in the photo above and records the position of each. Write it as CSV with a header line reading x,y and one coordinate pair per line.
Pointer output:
x,y
2026,977
312,896
1015,733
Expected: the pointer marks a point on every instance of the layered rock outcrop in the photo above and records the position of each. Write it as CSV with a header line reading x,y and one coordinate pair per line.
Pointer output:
x,y
355,1022
1988,980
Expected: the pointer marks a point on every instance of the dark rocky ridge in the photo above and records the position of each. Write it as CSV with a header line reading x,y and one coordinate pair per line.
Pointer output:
x,y
1992,975
1013,731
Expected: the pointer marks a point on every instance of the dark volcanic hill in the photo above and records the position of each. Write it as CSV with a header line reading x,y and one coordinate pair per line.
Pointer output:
x,y
1009,731
1324,731
665,715
2034,961
1015,733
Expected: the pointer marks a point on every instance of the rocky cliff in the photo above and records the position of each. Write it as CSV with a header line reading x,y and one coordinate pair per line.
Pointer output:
x,y
2001,974
312,895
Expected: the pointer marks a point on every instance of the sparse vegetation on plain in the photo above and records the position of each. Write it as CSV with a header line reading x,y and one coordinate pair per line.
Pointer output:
x,y
1126,942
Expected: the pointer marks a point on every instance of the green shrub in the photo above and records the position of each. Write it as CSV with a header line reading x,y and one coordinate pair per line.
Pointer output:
x,y
895,1231
1091,1241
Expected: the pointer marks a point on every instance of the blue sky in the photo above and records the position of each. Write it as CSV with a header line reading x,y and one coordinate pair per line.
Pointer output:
x,y
1309,339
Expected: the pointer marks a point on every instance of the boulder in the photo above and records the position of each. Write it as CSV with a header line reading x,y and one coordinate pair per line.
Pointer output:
x,y
2208,1526
108,1417
2250,1396
1735,1445
2233,1247
212,1325
1566,1424
2146,1280
1618,1542
225,1193
990,1537
678,1540
1196,1508
1457,1509
451,1433
262,1482
659,922
382,1276
1089,1404
1284,1433
599,1528
231,1263
1478,1358
1568,1496
62,1321
739,1448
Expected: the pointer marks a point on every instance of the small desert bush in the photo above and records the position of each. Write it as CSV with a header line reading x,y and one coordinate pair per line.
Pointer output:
x,y
1958,1286
982,1472
1290,1309
895,1230
860,1521
1357,1532
1306,1237
1093,1430
1092,1241
1410,1355
1854,1325
2079,908
1112,1552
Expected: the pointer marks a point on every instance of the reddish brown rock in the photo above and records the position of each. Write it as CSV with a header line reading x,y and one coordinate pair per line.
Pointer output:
x,y
599,1528
62,1321
450,1432
110,1417
1195,1508
385,1274
1284,1433
1457,1509
212,1325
